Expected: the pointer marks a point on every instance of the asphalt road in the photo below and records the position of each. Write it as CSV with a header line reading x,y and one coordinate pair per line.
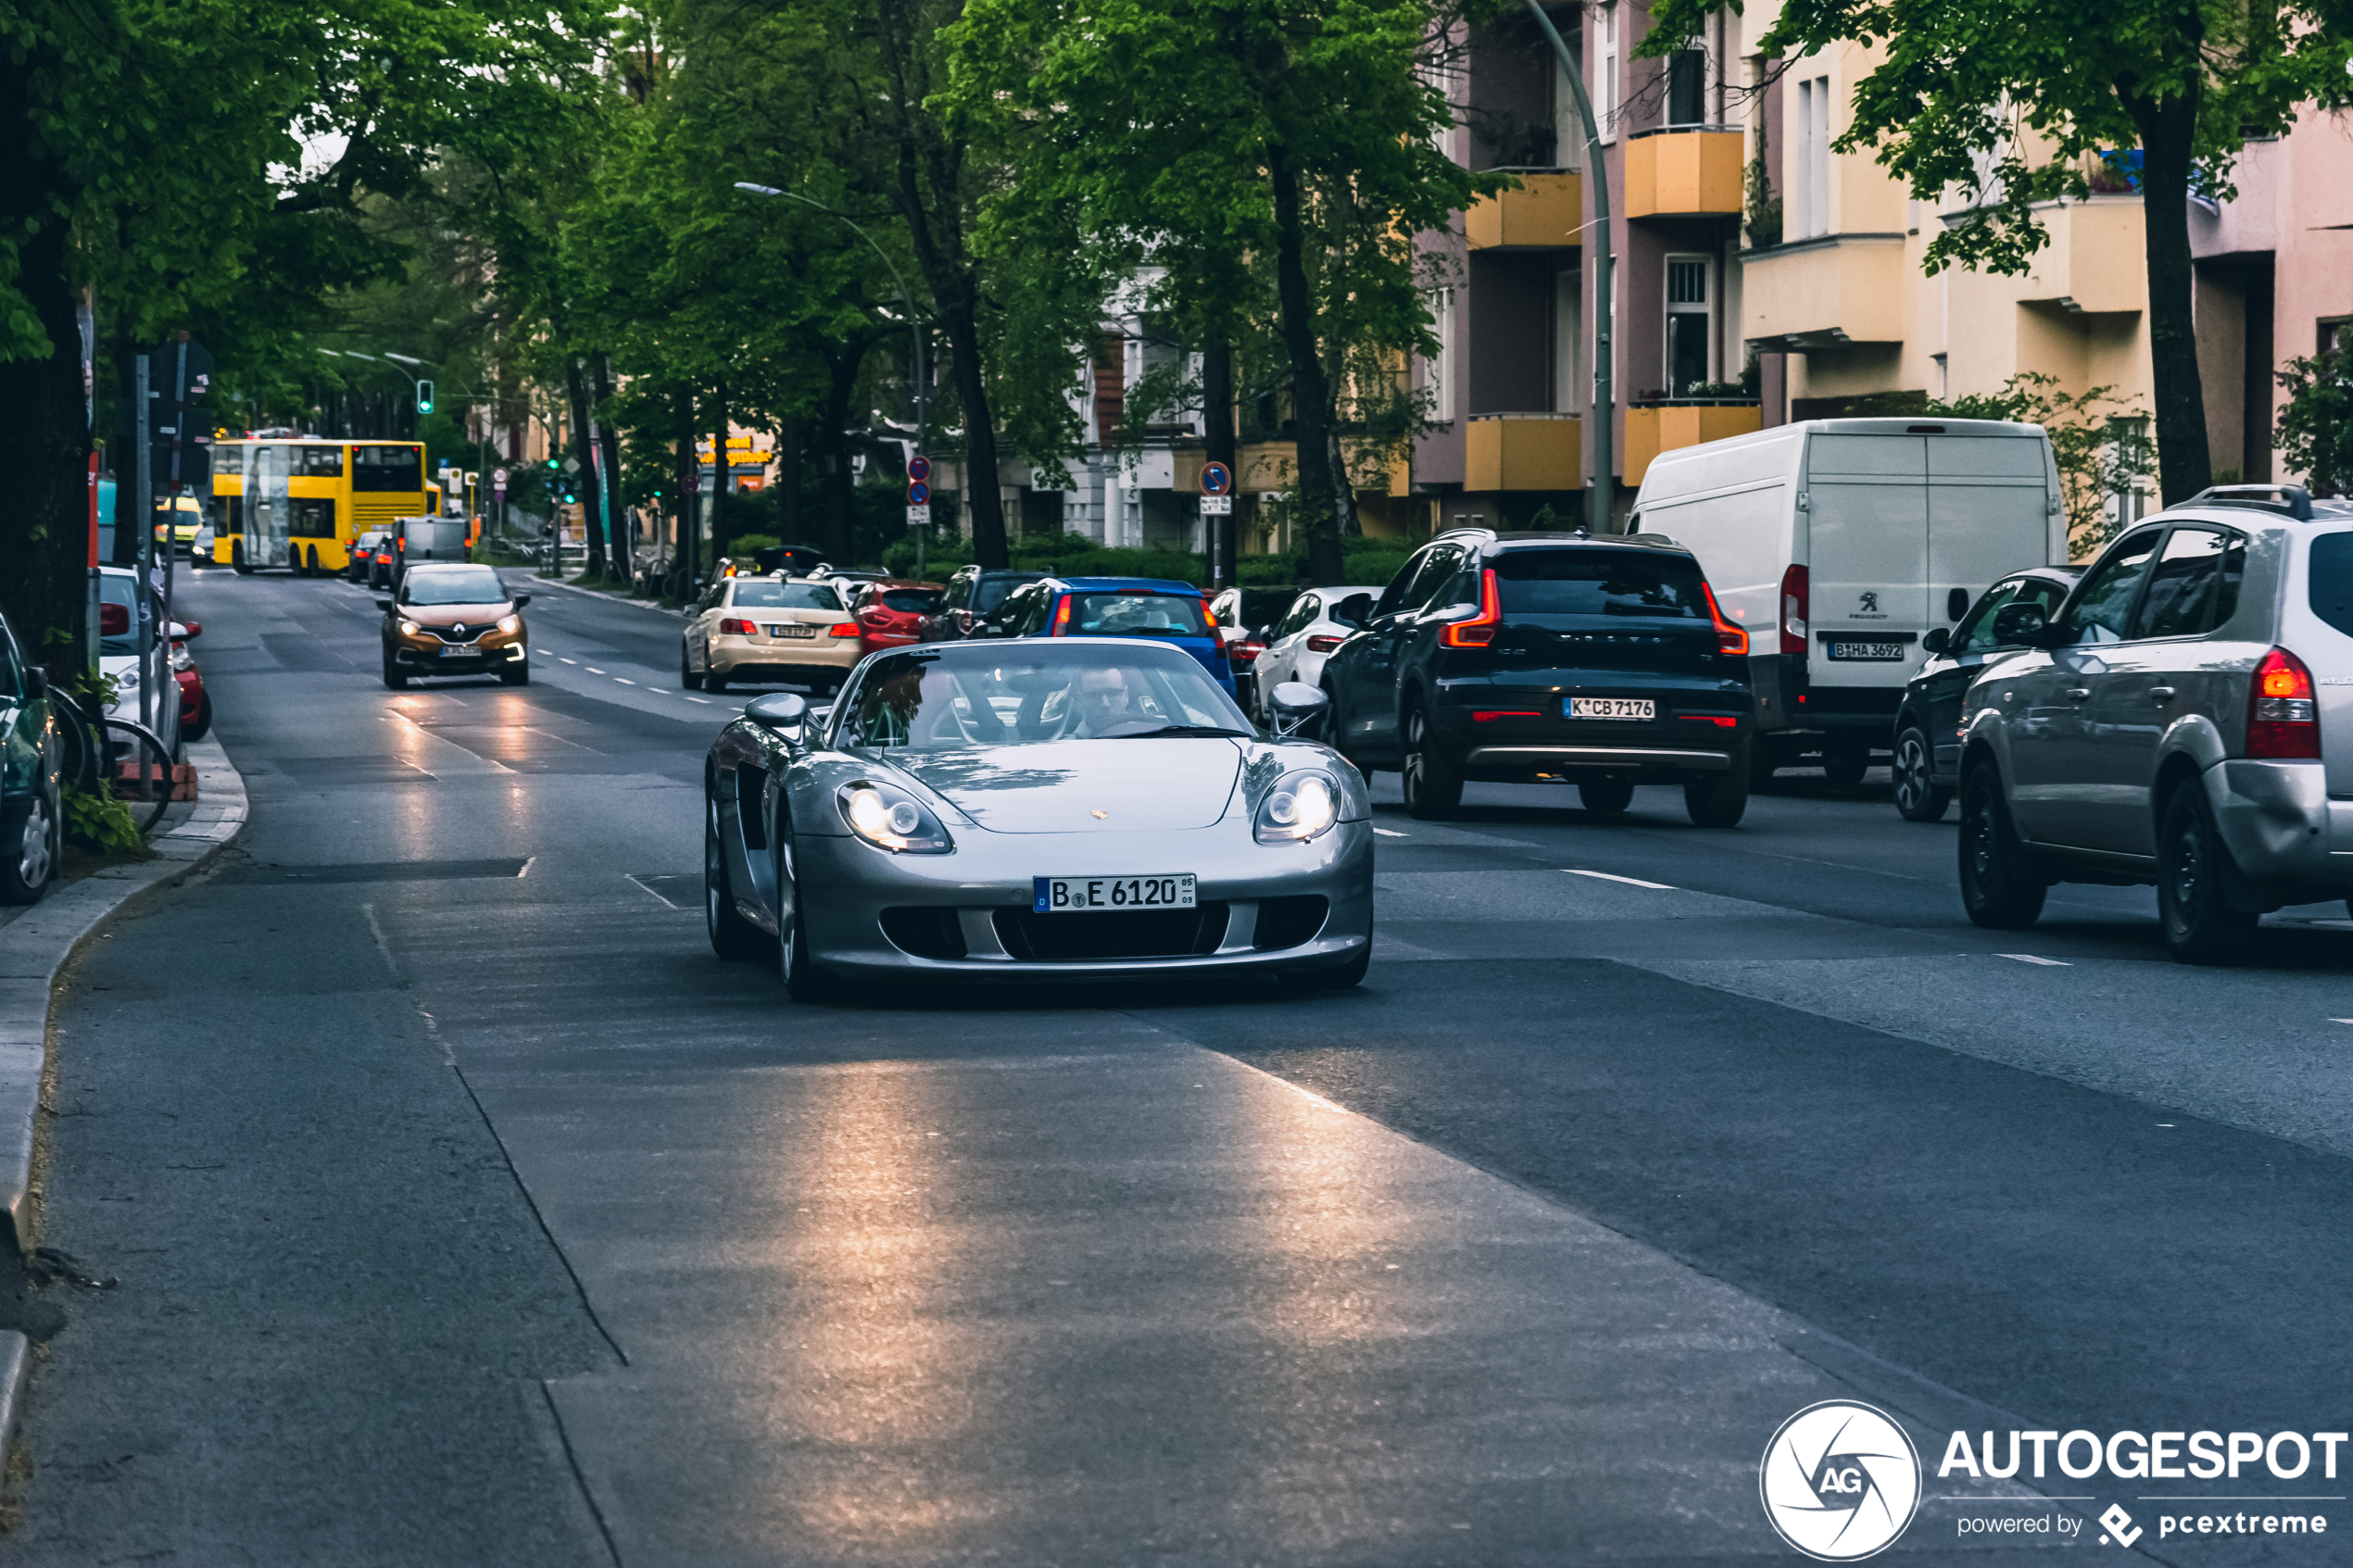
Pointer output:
x,y
465,1210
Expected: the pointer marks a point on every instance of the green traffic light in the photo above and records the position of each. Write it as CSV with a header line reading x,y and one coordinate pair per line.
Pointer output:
x,y
424,398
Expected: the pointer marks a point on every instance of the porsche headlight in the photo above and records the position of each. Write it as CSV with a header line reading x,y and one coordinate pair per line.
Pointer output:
x,y
1299,807
889,818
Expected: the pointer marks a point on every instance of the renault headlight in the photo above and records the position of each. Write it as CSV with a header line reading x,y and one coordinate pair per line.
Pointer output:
x,y
408,627
889,818
511,624
1299,807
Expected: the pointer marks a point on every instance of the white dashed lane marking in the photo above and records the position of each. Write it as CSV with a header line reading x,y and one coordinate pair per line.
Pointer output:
x,y
1628,881
2030,957
1392,833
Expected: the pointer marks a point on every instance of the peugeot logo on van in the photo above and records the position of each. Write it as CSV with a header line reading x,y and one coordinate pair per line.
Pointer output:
x,y
1871,603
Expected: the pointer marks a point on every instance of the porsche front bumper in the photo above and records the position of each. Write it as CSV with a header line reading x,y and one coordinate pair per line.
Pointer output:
x,y
968,915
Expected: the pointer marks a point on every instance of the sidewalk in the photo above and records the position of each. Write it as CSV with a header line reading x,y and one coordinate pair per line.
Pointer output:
x,y
36,942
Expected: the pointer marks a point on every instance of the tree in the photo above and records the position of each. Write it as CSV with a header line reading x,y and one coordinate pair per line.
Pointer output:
x,y
1297,139
2316,428
156,153
2010,104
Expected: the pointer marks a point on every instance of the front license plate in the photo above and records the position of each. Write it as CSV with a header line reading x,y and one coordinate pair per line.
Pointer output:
x,y
1867,650
1091,895
1641,708
463,650
790,628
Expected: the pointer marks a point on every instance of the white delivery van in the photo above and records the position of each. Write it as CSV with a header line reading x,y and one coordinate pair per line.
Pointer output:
x,y
417,539
1839,544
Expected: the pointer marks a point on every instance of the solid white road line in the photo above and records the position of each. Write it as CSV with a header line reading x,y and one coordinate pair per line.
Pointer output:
x,y
2029,957
1392,833
1628,881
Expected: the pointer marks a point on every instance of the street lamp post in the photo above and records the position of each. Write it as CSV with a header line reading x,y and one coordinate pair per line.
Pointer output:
x,y
906,300
1599,503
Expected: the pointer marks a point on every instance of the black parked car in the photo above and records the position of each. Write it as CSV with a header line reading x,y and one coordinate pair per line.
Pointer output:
x,y
1928,743
1512,657
973,593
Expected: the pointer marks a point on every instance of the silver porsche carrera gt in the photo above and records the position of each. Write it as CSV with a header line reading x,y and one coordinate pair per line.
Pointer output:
x,y
1063,808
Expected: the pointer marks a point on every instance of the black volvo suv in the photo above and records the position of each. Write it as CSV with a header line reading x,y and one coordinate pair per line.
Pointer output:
x,y
1514,657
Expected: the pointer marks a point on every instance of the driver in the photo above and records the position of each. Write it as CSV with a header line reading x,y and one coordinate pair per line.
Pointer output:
x,y
1103,702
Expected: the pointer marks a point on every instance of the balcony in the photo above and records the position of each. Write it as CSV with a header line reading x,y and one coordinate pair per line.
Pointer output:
x,y
1543,214
2096,261
1669,427
1523,452
1820,292
1685,171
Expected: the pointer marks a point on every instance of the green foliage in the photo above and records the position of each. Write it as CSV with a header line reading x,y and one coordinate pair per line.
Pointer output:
x,y
2315,432
1763,208
100,823
1064,555
1366,560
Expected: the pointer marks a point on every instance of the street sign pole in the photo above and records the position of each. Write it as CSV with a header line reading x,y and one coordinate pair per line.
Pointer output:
x,y
919,505
1217,500
144,508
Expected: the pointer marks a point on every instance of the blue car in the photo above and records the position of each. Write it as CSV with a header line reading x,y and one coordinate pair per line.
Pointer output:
x,y
1156,607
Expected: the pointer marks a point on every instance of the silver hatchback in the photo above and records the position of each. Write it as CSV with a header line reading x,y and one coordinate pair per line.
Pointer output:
x,y
2185,719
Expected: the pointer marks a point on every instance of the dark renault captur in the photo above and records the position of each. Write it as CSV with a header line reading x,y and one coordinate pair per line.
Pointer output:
x,y
1513,658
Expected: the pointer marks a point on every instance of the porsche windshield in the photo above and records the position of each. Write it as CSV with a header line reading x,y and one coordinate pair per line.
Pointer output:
x,y
1029,693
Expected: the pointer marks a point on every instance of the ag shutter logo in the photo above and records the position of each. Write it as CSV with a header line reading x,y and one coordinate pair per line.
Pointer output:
x,y
1839,1481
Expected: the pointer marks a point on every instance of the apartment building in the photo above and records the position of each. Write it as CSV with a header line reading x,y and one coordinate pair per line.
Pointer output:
x,y
1836,303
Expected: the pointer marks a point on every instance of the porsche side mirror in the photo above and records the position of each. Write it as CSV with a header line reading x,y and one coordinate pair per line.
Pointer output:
x,y
1936,640
782,710
1298,708
2021,626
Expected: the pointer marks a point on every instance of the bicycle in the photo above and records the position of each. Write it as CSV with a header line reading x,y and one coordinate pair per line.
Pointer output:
x,y
131,759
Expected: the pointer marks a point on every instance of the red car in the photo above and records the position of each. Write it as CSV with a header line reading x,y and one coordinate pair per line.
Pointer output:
x,y
890,613
195,704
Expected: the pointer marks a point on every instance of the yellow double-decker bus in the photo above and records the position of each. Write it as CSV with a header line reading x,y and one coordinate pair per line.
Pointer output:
x,y
300,502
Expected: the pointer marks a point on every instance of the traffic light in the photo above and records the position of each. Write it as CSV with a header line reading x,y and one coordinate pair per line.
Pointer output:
x,y
424,398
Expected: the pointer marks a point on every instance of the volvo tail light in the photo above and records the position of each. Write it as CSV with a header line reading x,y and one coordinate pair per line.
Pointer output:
x,y
1730,638
2282,719
1479,630
1795,610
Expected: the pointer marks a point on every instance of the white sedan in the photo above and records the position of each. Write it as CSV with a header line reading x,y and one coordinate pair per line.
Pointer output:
x,y
1297,645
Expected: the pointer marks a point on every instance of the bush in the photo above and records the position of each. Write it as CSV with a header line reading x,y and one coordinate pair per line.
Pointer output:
x,y
100,823
2316,427
1075,555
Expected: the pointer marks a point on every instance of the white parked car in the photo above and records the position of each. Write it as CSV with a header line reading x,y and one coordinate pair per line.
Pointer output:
x,y
119,657
1315,623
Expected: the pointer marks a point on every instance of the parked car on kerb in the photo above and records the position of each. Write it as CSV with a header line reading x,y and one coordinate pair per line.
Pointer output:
x,y
1526,658
31,779
1838,545
2185,719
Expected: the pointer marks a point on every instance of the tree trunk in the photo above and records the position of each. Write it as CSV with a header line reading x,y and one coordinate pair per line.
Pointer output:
x,y
788,480
984,502
591,503
1217,428
2167,130
44,443
617,523
1326,499
843,360
719,504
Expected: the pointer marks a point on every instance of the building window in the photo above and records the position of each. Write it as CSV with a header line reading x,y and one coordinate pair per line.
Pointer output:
x,y
1569,335
1687,87
1813,142
1689,312
1606,71
1438,371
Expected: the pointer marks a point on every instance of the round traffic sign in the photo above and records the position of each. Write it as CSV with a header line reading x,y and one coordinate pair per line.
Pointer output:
x,y
918,493
918,468
1216,478
499,478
